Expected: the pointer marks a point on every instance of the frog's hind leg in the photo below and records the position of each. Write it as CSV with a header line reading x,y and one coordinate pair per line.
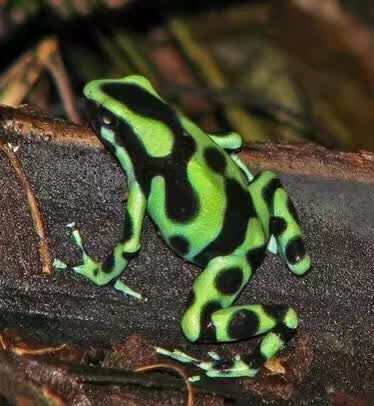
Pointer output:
x,y
241,322
210,318
280,221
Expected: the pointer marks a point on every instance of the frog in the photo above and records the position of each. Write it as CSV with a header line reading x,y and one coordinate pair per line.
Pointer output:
x,y
208,208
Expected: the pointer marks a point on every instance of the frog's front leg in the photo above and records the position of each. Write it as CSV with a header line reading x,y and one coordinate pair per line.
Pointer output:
x,y
116,262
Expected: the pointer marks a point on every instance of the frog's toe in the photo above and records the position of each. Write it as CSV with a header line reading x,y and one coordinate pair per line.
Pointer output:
x,y
75,236
187,359
81,269
214,356
177,356
90,269
59,265
127,291
184,358
235,368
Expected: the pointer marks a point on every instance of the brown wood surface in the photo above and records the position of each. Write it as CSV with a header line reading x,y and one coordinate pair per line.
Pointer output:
x,y
306,159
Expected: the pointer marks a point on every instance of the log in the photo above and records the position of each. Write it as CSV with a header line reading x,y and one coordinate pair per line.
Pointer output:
x,y
74,179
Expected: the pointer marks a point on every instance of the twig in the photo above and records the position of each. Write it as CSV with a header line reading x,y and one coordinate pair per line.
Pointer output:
x,y
16,83
105,376
55,66
2,342
25,349
24,73
37,351
180,371
37,217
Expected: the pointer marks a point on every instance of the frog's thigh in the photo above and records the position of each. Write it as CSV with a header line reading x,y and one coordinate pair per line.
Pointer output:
x,y
215,288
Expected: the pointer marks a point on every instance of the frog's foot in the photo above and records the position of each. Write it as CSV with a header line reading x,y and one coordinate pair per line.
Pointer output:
x,y
216,367
89,268
99,273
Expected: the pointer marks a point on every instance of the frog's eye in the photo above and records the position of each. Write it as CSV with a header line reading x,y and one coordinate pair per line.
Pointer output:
x,y
108,119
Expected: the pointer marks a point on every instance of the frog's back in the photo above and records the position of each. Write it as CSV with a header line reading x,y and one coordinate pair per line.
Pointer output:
x,y
196,208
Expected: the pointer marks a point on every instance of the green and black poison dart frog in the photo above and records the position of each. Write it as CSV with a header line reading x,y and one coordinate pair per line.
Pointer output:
x,y
208,208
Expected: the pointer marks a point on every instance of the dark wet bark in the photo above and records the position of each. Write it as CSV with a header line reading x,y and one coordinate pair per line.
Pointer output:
x,y
74,179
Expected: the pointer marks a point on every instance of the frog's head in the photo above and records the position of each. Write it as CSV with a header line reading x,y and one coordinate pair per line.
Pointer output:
x,y
129,111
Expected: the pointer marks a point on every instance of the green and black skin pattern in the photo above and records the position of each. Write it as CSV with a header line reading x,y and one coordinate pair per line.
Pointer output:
x,y
208,208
